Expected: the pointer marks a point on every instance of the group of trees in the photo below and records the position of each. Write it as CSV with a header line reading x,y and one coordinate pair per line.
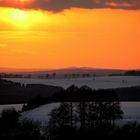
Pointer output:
x,y
79,75
73,118
89,120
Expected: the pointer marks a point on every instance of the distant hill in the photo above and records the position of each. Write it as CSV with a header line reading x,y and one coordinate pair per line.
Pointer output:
x,y
83,70
73,71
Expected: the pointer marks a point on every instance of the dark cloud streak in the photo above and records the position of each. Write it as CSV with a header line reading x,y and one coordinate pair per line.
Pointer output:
x,y
60,5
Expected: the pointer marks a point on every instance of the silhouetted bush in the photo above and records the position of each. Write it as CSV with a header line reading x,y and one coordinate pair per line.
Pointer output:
x,y
13,129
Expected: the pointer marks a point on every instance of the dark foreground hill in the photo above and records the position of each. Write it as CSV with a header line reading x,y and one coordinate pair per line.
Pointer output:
x,y
11,92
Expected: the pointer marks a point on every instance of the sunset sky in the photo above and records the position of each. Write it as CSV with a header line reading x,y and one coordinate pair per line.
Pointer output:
x,y
65,33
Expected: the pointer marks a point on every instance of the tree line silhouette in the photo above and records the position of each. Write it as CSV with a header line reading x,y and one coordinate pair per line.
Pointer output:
x,y
73,94
52,75
70,120
85,94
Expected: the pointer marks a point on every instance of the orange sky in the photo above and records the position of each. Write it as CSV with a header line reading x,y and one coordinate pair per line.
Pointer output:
x,y
101,38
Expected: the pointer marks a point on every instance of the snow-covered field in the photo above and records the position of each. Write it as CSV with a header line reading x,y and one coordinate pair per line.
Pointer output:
x,y
102,82
130,109
40,114
17,107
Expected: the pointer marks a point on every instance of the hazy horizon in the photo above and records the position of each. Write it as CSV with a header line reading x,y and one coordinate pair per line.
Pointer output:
x,y
6,69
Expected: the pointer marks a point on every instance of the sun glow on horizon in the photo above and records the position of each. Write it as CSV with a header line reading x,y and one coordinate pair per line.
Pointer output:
x,y
21,0
20,16
20,19
25,1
